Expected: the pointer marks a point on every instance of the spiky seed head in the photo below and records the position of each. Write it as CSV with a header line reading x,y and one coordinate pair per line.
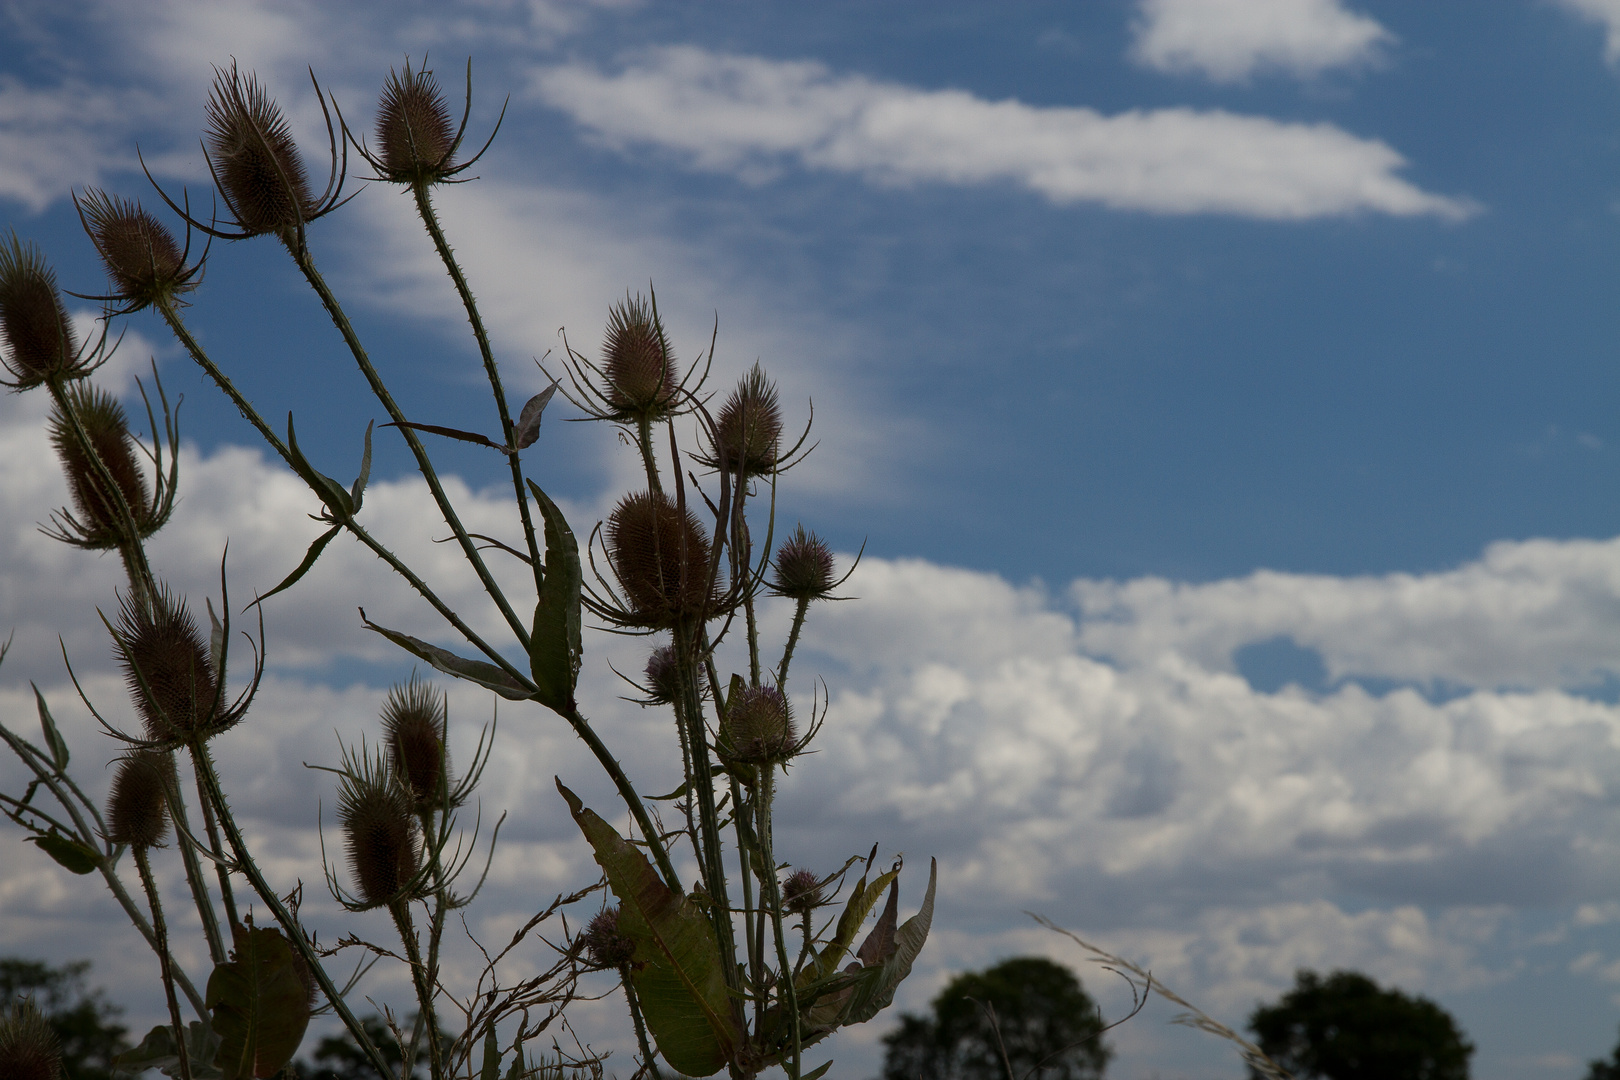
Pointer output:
x,y
29,1048
138,806
748,433
636,359
801,892
414,719
757,729
415,135
140,254
663,676
661,558
104,422
803,567
256,163
606,945
35,330
167,667
379,832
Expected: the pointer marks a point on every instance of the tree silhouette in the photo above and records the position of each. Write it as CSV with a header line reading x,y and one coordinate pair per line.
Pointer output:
x,y
82,1019
1047,1023
1345,1028
1605,1070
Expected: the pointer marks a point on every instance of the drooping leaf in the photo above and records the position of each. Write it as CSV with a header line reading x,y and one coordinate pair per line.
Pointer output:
x,y
53,738
358,490
818,1073
157,1051
330,491
486,675
555,647
450,433
310,556
676,968
216,641
872,996
260,1005
527,428
69,854
879,944
862,899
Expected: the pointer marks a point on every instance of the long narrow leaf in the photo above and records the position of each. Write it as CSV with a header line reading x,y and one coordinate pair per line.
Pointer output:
x,y
310,556
331,492
53,738
555,647
451,433
486,675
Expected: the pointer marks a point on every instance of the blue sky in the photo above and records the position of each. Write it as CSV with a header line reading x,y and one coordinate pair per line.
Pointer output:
x,y
1224,390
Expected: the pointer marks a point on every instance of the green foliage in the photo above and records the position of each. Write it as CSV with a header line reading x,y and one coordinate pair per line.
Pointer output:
x,y
1344,1027
1046,1021
260,1003
82,1019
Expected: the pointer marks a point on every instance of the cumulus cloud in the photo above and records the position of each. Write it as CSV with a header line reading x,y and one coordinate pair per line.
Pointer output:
x,y
56,138
1605,13
1230,40
751,116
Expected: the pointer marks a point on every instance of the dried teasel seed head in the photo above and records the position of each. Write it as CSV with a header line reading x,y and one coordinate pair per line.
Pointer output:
x,y
637,362
29,1048
141,256
748,433
757,729
255,162
661,558
415,136
663,676
803,567
414,719
801,892
35,330
379,832
168,669
138,806
106,426
605,945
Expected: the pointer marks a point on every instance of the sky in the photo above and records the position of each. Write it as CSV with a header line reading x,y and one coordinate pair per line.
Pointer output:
x,y
1223,390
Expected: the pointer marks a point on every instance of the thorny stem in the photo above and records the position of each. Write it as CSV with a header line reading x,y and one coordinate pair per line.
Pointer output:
x,y
401,912
227,896
648,1059
424,464
644,437
194,876
144,865
424,207
744,851
792,641
631,797
773,901
52,780
295,933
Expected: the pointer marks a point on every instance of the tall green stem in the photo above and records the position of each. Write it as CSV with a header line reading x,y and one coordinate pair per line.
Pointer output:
x,y
144,866
773,902
401,912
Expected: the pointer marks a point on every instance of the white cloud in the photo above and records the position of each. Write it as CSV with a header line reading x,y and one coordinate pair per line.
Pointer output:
x,y
68,136
1607,14
1230,40
750,116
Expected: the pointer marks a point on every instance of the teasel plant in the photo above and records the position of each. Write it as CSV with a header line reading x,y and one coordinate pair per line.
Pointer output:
x,y
739,973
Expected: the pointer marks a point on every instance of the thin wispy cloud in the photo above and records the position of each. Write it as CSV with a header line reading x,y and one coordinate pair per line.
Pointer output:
x,y
753,116
1232,40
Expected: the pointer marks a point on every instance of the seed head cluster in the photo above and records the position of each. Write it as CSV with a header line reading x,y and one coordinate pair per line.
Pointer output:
x,y
803,567
414,719
138,806
146,265
637,361
35,330
380,833
748,432
606,946
661,557
168,669
29,1048
801,892
757,729
103,421
255,161
415,136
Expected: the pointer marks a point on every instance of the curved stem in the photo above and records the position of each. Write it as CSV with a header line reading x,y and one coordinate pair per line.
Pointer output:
x,y
631,797
424,207
144,865
209,779
792,642
424,464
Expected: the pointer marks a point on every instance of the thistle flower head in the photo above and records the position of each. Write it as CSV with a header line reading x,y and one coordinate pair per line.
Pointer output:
x,y
661,557
757,729
379,832
801,892
747,435
637,362
100,522
168,669
255,162
35,332
138,806
140,254
663,676
803,567
415,136
414,719
605,945
29,1048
